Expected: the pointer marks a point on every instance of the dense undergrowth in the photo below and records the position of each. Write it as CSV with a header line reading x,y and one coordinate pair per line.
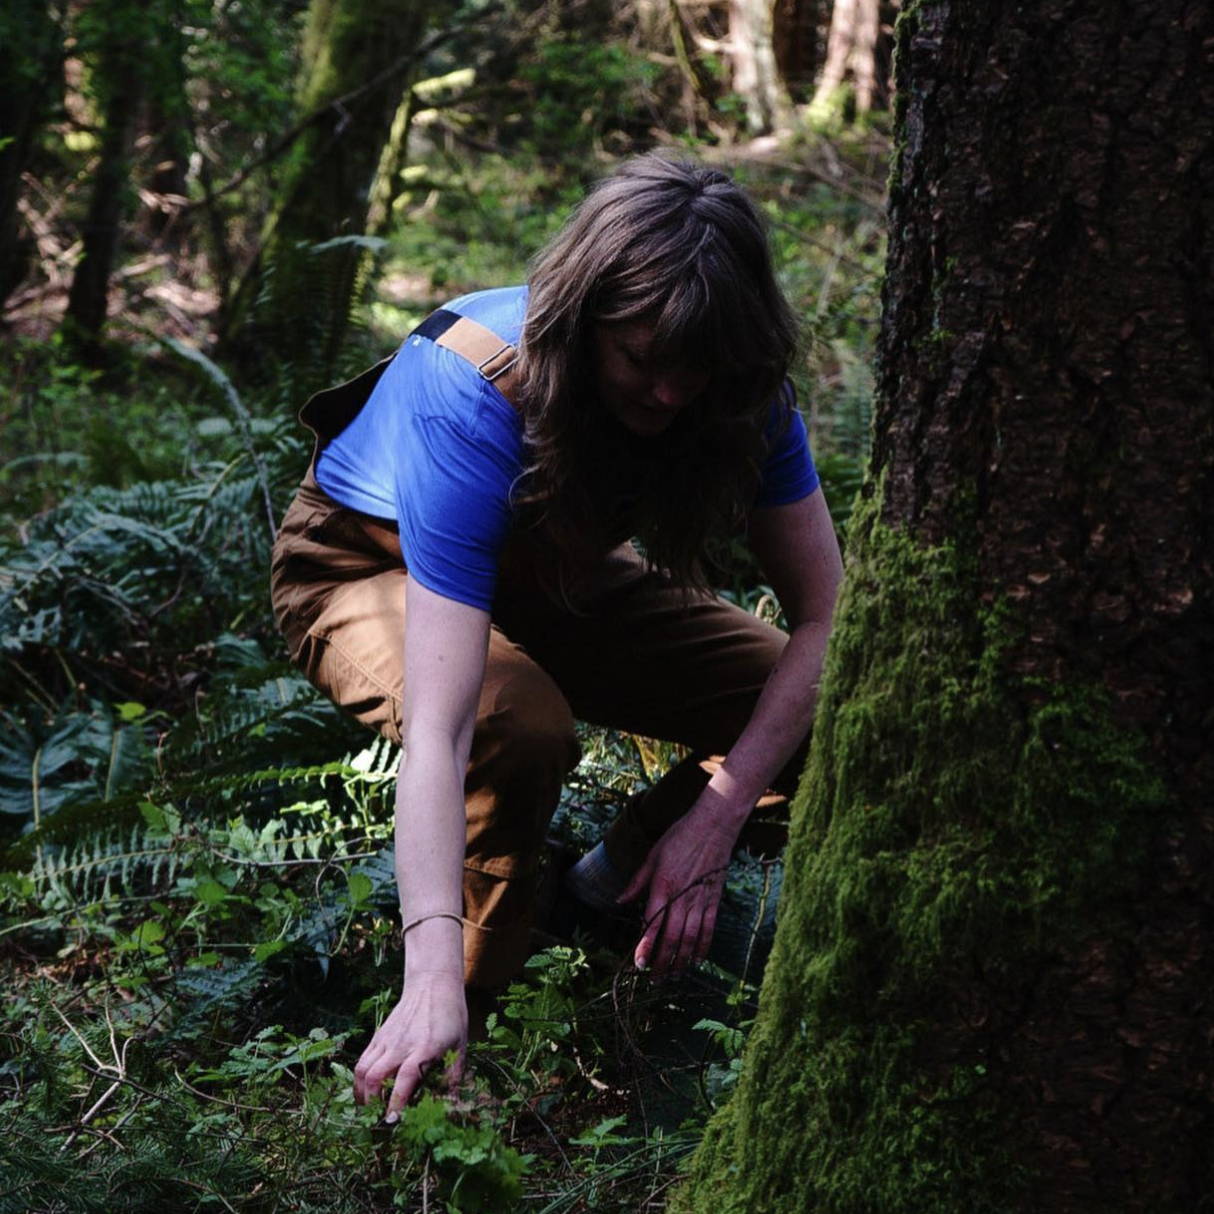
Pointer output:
x,y
196,889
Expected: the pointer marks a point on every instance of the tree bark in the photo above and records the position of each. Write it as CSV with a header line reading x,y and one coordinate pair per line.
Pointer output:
x,y
386,188
795,37
698,88
990,988
119,69
851,57
302,304
167,123
30,71
753,59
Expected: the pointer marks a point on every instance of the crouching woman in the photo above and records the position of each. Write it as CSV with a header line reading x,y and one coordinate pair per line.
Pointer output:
x,y
458,571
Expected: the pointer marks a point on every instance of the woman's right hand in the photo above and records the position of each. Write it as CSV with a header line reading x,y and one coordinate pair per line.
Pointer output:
x,y
430,1020
445,646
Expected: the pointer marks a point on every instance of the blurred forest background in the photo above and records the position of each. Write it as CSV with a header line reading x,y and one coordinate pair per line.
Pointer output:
x,y
210,209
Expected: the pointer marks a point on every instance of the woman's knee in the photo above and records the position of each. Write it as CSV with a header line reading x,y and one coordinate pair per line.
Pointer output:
x,y
524,719
523,748
537,734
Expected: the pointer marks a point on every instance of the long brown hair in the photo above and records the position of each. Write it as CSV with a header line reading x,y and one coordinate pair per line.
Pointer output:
x,y
681,247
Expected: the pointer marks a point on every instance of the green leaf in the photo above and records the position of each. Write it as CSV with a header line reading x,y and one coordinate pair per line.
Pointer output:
x,y
147,936
209,892
17,883
153,815
603,1134
360,888
268,948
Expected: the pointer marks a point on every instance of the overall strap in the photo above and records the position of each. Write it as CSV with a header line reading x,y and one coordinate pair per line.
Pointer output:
x,y
495,360
329,412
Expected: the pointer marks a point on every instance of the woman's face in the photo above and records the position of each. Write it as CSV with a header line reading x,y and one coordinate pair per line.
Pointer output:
x,y
643,395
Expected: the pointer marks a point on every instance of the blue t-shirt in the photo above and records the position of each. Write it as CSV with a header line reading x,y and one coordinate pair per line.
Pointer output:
x,y
438,448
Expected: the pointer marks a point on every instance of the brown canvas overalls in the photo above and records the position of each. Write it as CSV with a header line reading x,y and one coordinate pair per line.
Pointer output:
x,y
638,654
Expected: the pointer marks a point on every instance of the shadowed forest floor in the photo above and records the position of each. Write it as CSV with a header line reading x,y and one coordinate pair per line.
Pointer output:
x,y
198,928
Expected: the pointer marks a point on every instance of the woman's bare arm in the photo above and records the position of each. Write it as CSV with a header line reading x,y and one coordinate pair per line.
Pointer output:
x,y
445,647
684,873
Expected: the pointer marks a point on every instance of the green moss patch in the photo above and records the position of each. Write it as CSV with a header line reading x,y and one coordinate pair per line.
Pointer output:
x,y
956,829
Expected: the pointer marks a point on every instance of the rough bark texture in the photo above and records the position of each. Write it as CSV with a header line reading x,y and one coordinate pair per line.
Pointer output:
x,y
1053,331
990,989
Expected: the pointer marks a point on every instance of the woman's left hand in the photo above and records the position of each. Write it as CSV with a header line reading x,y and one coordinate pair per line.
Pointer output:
x,y
684,874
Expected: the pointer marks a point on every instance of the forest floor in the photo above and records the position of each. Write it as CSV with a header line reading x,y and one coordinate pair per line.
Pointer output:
x,y
197,900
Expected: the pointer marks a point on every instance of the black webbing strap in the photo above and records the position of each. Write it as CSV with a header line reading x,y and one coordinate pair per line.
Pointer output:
x,y
494,359
436,324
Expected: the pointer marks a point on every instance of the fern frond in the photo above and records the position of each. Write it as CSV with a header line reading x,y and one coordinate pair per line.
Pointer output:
x,y
76,824
104,866
244,420
207,991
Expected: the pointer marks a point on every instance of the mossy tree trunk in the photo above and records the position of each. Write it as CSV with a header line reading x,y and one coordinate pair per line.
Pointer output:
x,y
991,983
356,68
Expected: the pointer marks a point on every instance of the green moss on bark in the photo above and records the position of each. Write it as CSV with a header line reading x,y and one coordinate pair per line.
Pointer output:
x,y
957,829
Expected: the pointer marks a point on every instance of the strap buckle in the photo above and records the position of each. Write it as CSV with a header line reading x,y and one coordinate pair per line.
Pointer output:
x,y
505,348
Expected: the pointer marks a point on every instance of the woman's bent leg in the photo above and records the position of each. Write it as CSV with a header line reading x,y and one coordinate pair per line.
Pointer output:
x,y
523,748
339,597
647,657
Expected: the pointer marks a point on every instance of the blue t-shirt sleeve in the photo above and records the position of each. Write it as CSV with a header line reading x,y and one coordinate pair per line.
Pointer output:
x,y
453,505
788,471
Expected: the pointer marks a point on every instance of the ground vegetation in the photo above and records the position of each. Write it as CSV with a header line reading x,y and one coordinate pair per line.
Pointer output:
x,y
197,922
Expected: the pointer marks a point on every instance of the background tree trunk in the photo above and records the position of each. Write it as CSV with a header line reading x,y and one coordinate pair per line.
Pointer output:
x,y
852,56
168,124
30,74
795,37
304,302
753,59
120,74
698,88
990,989
386,187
